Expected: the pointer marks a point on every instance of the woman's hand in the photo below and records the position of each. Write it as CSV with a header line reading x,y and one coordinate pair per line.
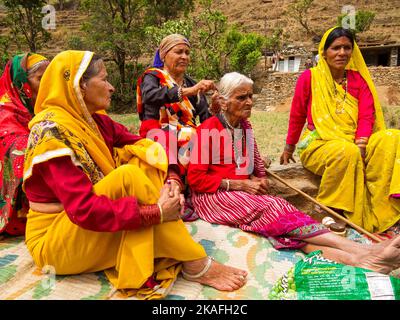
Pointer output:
x,y
362,145
257,186
173,185
264,184
363,151
267,162
287,154
217,103
200,87
171,205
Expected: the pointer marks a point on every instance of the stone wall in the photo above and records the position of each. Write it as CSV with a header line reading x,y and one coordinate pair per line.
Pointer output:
x,y
275,90
386,76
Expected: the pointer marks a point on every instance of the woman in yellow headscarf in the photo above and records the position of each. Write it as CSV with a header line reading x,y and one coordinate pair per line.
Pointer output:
x,y
345,141
94,191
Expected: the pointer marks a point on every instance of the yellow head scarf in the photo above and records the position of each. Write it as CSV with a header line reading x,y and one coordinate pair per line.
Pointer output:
x,y
329,124
33,59
62,125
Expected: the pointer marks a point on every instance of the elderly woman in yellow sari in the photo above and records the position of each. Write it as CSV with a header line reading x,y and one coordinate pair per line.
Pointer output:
x,y
94,191
345,141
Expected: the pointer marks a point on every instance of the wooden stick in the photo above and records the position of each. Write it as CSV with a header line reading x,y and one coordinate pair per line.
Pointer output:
x,y
330,211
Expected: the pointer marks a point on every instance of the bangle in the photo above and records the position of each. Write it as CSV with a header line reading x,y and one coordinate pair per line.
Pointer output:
x,y
289,148
178,181
180,96
362,140
161,213
227,184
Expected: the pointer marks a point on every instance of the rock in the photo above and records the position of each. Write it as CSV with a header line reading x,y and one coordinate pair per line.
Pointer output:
x,y
298,177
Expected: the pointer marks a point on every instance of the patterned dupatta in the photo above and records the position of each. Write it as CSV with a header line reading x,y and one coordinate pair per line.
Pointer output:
x,y
15,114
177,114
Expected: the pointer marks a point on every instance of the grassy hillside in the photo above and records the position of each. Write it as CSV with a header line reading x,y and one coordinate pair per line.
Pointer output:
x,y
265,15
262,16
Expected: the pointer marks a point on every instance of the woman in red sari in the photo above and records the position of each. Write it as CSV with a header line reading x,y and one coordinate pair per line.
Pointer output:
x,y
230,187
19,85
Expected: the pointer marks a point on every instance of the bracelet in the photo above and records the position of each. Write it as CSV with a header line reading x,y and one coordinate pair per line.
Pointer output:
x,y
178,181
161,213
361,141
227,184
180,97
288,147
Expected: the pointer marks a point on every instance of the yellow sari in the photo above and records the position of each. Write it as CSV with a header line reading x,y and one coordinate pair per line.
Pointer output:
x,y
63,127
362,189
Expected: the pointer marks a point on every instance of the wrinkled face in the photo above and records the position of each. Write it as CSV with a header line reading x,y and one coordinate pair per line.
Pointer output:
x,y
339,53
97,91
34,81
239,105
177,59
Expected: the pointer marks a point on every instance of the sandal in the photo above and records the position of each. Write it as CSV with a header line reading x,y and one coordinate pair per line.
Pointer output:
x,y
192,277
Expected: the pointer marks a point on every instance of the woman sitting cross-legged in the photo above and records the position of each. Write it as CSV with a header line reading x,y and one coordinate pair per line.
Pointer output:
x,y
345,140
230,187
97,193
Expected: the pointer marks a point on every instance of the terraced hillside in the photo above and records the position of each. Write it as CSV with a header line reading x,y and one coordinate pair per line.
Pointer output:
x,y
263,16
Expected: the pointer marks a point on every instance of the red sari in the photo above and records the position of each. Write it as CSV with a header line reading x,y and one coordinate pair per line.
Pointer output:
x,y
14,132
272,217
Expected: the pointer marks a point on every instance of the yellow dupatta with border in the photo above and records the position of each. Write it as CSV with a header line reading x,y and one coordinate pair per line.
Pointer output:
x,y
64,127
329,124
61,111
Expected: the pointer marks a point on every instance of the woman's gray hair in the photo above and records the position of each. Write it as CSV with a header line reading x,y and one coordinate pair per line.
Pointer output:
x,y
230,81
36,67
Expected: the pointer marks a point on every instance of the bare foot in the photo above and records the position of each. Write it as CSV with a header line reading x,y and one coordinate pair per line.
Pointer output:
x,y
383,257
218,276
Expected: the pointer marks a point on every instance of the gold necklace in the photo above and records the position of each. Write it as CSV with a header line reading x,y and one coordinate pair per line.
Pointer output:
x,y
340,102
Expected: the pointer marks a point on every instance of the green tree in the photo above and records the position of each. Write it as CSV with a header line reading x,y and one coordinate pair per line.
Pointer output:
x,y
299,10
24,18
247,53
207,42
363,20
232,37
155,34
67,4
161,11
116,29
4,51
